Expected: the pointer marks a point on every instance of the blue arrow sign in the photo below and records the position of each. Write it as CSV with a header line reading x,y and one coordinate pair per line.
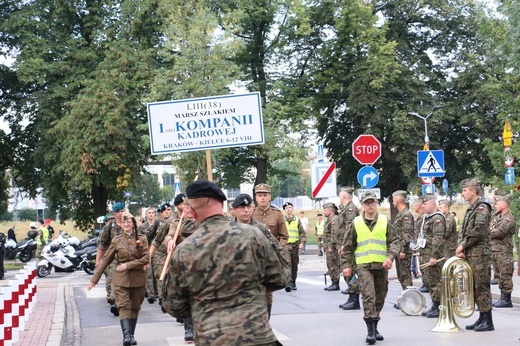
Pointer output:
x,y
510,176
368,177
428,189
430,163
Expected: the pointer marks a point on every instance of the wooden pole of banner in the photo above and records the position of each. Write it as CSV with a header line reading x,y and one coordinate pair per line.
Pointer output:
x,y
208,165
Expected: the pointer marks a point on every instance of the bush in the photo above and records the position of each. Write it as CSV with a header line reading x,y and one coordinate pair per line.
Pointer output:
x,y
6,216
27,215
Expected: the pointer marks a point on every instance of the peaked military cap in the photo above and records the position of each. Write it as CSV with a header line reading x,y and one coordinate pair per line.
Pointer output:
x,y
428,197
242,200
445,202
470,182
179,199
286,204
400,193
368,195
347,189
263,188
505,198
204,188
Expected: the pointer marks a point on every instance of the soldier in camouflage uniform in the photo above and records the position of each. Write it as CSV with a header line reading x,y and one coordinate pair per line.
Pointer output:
x,y
297,237
163,244
502,228
333,265
143,229
370,247
111,230
348,211
219,275
404,224
450,243
273,218
434,232
243,206
419,220
475,247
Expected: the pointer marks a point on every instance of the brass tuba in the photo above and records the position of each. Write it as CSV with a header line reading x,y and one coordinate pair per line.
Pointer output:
x,y
456,295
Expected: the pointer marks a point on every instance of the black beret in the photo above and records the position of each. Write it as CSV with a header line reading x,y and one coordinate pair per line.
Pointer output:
x,y
286,204
163,207
179,199
242,200
204,188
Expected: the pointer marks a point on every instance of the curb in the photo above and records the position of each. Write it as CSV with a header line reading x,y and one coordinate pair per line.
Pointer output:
x,y
59,319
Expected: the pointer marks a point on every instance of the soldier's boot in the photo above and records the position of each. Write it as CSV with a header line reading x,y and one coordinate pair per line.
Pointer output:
x,y
114,309
188,329
423,289
126,329
425,312
378,336
371,336
288,287
321,253
498,301
133,324
354,303
434,312
269,307
504,302
477,322
346,303
333,287
493,282
486,324
293,285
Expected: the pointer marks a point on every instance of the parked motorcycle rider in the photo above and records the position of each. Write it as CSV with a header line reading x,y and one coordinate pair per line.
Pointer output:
x,y
111,230
130,252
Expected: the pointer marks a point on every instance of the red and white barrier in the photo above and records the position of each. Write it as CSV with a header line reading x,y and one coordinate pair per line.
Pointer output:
x,y
17,301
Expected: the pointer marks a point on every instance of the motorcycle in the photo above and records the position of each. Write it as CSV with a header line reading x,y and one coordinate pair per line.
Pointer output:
x,y
61,255
25,248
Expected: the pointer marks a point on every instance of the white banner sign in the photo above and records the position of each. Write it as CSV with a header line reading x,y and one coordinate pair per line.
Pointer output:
x,y
204,123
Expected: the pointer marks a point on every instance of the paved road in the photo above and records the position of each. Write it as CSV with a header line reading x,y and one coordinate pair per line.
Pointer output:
x,y
309,316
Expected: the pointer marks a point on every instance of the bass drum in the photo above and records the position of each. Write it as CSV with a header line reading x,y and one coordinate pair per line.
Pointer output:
x,y
411,302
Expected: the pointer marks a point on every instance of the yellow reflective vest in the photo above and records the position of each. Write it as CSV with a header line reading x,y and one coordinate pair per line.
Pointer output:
x,y
371,245
320,227
292,229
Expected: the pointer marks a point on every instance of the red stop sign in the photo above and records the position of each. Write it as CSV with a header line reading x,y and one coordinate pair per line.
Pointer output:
x,y
366,149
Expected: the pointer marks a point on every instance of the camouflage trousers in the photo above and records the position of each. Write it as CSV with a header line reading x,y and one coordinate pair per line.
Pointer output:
x,y
333,263
503,267
294,257
402,267
128,301
150,282
373,284
353,286
109,273
158,265
319,240
481,267
432,279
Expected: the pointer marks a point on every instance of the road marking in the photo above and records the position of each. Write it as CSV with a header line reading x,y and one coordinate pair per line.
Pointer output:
x,y
310,281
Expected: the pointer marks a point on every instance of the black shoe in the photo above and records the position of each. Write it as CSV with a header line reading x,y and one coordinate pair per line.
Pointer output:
x,y
477,322
151,299
504,302
423,289
371,336
493,282
293,286
434,312
487,323
188,329
333,287
345,291
396,306
379,337
321,253
354,302
114,310
288,288
111,301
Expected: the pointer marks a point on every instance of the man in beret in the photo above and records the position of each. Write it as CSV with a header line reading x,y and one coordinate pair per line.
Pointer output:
x,y
502,228
332,257
433,231
272,217
297,237
143,229
450,243
475,247
219,275
243,208
370,247
109,231
404,224
348,212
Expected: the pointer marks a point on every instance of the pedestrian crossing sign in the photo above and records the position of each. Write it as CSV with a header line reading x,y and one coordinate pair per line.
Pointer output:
x,y
430,163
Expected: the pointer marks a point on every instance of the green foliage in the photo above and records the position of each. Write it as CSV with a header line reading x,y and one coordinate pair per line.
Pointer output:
x,y
147,192
6,216
26,215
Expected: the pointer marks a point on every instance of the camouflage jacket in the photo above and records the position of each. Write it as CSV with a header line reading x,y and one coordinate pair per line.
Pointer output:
x,y
475,230
166,232
108,232
434,231
219,276
502,228
404,224
345,217
452,236
331,224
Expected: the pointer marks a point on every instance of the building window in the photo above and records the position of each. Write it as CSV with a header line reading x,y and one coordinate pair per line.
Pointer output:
x,y
167,179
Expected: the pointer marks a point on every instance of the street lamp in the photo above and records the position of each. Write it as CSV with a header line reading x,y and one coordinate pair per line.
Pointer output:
x,y
426,138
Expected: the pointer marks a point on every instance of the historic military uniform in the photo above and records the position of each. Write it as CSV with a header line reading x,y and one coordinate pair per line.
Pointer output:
x,y
368,244
433,231
332,257
128,285
219,276
475,242
296,237
404,224
502,228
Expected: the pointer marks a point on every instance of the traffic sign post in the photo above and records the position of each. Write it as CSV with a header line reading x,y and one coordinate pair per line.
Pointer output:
x,y
368,177
323,180
430,163
366,149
